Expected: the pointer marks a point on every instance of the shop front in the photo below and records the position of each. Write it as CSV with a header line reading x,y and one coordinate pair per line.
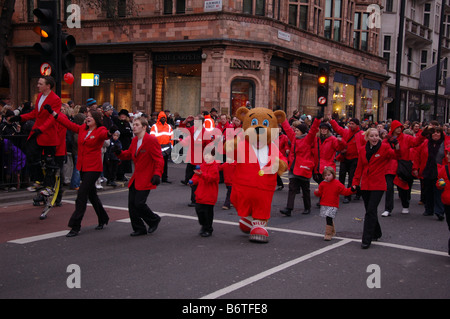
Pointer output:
x,y
343,102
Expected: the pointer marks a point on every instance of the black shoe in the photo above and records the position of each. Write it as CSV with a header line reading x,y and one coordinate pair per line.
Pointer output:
x,y
427,214
206,234
72,233
306,211
113,184
191,204
138,233
101,225
166,181
346,200
286,211
365,246
154,225
440,217
183,182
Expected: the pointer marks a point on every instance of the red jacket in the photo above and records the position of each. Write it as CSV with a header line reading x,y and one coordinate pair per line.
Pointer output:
x,y
303,155
44,121
371,175
329,192
445,196
354,139
228,172
325,152
90,158
406,141
195,147
207,184
148,161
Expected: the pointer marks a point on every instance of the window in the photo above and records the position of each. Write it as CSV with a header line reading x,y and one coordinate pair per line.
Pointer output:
x,y
389,5
426,14
423,59
242,91
409,65
115,8
298,13
387,49
256,6
333,19
180,6
361,31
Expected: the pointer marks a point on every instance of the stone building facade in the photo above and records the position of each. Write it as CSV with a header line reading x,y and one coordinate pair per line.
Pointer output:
x,y
193,55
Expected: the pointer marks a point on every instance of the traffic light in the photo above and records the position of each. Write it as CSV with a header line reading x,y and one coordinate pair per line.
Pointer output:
x,y
68,45
322,84
48,31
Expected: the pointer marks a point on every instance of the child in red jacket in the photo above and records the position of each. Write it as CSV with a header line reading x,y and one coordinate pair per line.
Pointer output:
x,y
329,191
207,180
443,183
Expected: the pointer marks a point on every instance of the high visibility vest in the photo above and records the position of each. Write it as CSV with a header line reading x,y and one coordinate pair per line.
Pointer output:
x,y
209,123
163,133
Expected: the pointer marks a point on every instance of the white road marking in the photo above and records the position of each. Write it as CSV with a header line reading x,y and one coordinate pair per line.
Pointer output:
x,y
269,272
31,239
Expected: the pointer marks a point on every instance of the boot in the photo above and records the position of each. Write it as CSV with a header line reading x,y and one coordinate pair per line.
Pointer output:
x,y
259,233
328,232
334,230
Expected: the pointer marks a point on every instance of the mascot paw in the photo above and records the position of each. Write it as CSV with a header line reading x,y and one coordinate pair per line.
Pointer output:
x,y
245,224
282,167
259,233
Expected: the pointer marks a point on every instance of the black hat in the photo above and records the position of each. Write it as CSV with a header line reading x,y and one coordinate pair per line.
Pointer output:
x,y
125,112
325,125
302,127
354,120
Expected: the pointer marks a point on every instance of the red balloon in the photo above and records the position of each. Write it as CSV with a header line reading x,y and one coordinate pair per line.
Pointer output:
x,y
68,78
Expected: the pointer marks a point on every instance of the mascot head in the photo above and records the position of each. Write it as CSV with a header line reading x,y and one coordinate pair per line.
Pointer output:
x,y
260,124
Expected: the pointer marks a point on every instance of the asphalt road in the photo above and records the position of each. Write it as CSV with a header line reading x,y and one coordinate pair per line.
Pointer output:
x,y
409,262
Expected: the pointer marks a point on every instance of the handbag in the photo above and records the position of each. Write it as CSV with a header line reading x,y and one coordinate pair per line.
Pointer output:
x,y
404,170
166,149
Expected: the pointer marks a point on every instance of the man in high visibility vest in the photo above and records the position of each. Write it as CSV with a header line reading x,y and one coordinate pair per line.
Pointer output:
x,y
164,134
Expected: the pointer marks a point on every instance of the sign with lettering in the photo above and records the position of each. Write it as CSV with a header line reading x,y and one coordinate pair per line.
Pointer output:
x,y
245,64
213,5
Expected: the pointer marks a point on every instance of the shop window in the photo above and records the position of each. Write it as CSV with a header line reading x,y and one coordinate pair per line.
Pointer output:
x,y
278,83
343,100
177,88
242,94
308,93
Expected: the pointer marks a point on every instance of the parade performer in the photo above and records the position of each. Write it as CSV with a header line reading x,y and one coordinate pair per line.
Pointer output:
x,y
258,161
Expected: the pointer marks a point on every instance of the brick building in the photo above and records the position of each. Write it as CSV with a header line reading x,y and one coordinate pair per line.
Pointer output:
x,y
193,55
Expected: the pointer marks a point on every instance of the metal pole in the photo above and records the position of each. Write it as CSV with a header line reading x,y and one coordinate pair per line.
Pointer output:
x,y
438,69
398,65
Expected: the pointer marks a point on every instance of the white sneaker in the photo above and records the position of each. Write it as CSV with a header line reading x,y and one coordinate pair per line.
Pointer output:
x,y
405,211
386,214
47,191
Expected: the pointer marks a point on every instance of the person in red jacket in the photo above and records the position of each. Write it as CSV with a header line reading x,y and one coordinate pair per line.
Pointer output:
x,y
91,136
443,183
370,177
43,137
349,156
300,163
207,180
325,147
145,151
329,190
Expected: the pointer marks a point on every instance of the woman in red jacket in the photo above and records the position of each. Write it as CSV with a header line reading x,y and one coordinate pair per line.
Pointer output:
x,y
370,177
91,136
300,163
145,151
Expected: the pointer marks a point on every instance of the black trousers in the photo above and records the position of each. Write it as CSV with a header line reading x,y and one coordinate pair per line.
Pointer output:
x,y
139,210
205,215
34,155
294,188
189,172
165,172
372,228
87,191
389,199
347,166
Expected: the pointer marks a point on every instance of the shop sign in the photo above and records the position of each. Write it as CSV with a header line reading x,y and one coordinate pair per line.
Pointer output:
x,y
245,64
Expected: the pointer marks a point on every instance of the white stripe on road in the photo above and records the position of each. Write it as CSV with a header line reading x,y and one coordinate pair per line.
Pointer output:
x,y
291,231
269,272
